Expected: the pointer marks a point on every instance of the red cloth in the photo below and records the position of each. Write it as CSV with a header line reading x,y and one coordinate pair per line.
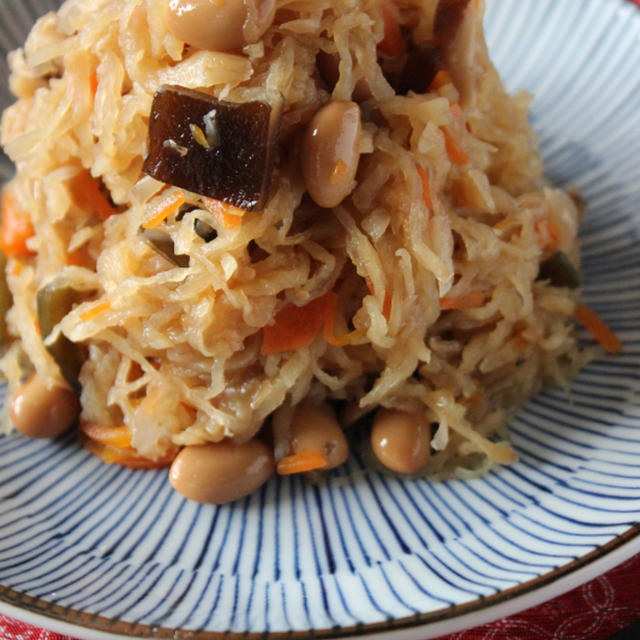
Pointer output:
x,y
592,612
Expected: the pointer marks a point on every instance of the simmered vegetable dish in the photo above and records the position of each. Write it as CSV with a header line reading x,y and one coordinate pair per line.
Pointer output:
x,y
252,237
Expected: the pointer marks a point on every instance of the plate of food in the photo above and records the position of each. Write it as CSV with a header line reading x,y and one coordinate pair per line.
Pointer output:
x,y
318,317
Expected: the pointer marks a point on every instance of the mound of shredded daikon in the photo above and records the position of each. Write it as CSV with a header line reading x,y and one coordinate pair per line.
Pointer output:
x,y
441,285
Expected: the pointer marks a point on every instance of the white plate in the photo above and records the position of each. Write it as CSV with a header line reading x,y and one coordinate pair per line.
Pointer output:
x,y
89,549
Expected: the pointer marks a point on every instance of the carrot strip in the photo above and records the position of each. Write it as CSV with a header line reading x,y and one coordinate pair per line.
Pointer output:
x,y
392,43
426,187
521,339
441,79
456,110
369,284
549,234
87,193
228,216
467,301
93,83
503,224
119,437
95,310
386,306
597,328
125,456
163,209
16,268
457,155
301,462
76,258
15,228
329,328
338,170
294,327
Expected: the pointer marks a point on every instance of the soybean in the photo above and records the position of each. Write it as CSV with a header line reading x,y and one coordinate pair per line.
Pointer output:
x,y
401,440
330,152
315,428
40,412
222,24
221,472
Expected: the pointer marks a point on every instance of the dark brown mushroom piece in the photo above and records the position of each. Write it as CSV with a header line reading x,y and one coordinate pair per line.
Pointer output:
x,y
422,64
448,19
162,243
559,271
214,148
328,65
53,302
204,230
454,31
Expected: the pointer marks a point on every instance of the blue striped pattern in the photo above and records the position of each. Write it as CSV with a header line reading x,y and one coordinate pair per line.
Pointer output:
x,y
121,545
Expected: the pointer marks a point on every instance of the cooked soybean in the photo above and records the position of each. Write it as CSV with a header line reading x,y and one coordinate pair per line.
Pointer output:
x,y
315,428
219,26
330,152
401,440
221,472
40,412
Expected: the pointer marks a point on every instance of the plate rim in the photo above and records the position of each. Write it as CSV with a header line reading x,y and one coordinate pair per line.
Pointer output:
x,y
447,620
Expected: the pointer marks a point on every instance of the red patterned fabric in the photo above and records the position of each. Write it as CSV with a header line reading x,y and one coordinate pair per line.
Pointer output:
x,y
592,612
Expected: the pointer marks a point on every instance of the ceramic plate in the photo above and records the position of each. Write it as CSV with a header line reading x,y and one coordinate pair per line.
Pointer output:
x,y
89,548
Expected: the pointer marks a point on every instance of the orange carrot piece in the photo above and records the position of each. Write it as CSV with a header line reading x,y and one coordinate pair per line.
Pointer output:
x,y
15,228
329,328
549,234
426,187
503,224
95,310
456,110
441,79
369,284
16,268
386,306
338,170
163,209
301,462
124,456
119,437
76,258
86,192
392,43
93,83
228,216
521,339
456,154
467,301
597,328
294,327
